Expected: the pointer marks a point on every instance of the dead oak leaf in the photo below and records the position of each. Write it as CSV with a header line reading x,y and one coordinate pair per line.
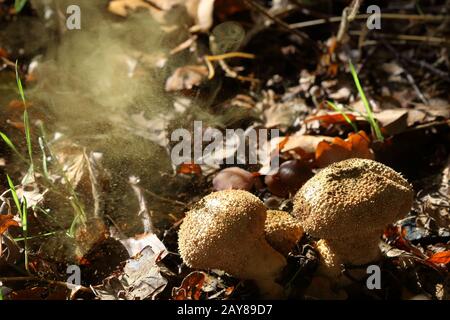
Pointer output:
x,y
191,287
282,115
332,118
307,143
3,53
357,145
440,258
140,278
6,221
189,168
186,77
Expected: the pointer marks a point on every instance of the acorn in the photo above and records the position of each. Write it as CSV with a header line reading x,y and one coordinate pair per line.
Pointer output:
x,y
234,178
290,177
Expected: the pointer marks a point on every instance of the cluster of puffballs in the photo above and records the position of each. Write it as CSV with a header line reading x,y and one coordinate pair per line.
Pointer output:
x,y
345,206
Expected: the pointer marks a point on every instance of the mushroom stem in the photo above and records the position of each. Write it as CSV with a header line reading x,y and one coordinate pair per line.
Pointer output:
x,y
265,268
352,251
357,249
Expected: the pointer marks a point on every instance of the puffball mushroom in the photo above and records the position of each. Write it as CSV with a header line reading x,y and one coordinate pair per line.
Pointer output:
x,y
282,231
226,231
347,205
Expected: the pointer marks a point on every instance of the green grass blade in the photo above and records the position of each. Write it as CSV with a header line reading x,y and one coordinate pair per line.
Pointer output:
x,y
19,4
26,119
25,230
342,112
11,145
19,84
14,195
366,103
67,232
44,158
26,122
47,234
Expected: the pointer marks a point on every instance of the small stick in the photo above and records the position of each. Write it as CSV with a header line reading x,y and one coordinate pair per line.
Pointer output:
x,y
229,55
429,67
390,16
348,15
282,24
409,77
233,74
406,37
175,202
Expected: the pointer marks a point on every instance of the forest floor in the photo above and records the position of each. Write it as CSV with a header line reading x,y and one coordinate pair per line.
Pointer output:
x,y
91,200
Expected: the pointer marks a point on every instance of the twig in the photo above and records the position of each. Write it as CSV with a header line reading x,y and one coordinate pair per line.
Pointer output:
x,y
8,62
406,37
429,125
387,16
423,64
253,4
233,74
409,77
229,55
179,203
348,15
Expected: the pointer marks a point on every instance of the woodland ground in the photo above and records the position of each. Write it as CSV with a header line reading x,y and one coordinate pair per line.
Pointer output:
x,y
86,179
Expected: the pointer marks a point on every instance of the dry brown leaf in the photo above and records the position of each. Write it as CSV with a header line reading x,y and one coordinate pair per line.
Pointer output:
x,y
122,7
140,278
332,118
340,95
189,168
298,144
393,121
305,142
283,115
355,146
203,15
440,258
186,77
3,53
191,287
6,221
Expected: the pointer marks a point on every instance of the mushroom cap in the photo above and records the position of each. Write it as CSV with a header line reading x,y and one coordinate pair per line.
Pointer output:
x,y
226,231
282,231
354,196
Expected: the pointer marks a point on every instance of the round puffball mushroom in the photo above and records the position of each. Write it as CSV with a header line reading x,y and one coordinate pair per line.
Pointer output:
x,y
226,231
347,205
282,231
